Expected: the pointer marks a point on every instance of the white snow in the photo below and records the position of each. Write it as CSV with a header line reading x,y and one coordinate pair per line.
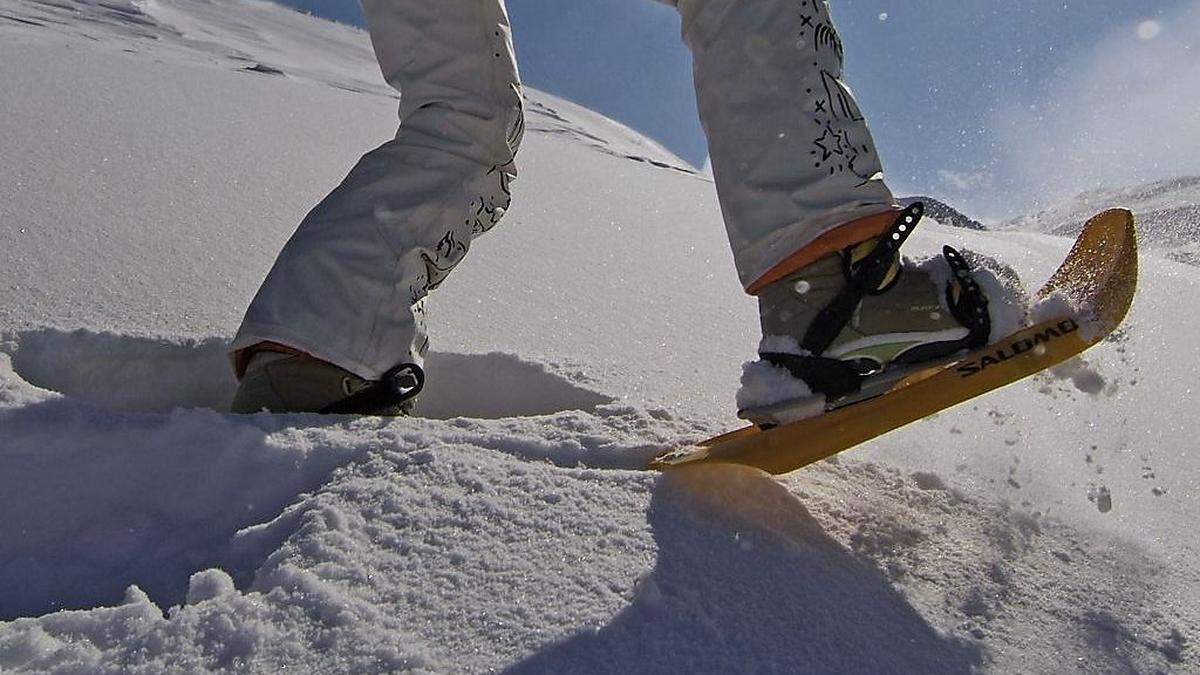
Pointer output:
x,y
149,179
764,384
1168,213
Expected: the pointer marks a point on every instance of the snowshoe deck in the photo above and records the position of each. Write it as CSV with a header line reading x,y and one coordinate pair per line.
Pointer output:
x,y
1099,277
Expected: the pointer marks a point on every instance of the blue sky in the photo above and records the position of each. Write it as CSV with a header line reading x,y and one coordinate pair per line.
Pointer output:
x,y
998,105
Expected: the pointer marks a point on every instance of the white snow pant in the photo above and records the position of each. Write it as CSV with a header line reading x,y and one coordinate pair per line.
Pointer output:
x,y
796,169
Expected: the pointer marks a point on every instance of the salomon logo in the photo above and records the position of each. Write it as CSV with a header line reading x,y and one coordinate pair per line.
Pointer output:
x,y
1018,348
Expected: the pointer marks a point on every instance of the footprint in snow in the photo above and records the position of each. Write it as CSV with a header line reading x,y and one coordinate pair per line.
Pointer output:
x,y
128,373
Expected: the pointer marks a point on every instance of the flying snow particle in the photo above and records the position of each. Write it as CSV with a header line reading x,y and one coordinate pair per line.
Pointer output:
x,y
1148,30
883,16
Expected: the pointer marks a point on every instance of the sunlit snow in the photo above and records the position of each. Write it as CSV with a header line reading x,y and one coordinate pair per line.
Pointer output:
x,y
157,155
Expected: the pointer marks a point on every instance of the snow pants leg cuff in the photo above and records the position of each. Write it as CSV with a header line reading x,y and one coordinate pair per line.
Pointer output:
x,y
795,165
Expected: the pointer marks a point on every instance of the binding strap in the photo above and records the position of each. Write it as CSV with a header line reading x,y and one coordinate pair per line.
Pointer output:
x,y
397,387
829,377
872,274
968,305
967,302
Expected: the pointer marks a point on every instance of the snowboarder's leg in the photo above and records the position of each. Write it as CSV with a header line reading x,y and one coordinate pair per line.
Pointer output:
x,y
814,230
796,168
348,288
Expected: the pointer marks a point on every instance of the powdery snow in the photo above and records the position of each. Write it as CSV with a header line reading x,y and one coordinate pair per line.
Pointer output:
x,y
764,384
152,172
1168,213
1008,298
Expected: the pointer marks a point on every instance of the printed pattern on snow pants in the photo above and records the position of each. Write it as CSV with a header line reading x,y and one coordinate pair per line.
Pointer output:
x,y
790,150
350,285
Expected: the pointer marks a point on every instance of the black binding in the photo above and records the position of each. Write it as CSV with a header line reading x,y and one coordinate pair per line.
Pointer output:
x,y
971,305
830,377
393,392
835,378
865,277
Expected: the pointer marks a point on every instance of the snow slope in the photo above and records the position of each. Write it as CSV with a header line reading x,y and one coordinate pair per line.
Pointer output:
x,y
148,180
1168,215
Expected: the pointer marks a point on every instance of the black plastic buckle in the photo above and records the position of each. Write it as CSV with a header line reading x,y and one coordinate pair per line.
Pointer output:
x,y
865,277
397,387
870,273
970,307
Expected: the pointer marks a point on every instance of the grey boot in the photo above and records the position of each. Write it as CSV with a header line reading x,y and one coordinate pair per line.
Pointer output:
x,y
288,383
854,322
882,328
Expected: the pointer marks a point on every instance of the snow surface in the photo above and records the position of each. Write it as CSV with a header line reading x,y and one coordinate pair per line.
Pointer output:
x,y
153,169
764,384
1168,214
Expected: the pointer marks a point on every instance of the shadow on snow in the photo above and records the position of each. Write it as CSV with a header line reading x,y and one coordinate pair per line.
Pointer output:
x,y
747,581
156,375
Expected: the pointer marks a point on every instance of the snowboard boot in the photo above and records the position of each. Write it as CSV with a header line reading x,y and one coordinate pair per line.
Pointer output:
x,y
296,383
850,325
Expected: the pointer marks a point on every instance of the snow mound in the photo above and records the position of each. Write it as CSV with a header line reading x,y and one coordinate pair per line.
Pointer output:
x,y
152,498
263,38
707,569
162,152
159,374
765,384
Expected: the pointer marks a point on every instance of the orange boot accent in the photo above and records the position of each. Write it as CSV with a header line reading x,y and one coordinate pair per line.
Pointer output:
x,y
840,237
242,358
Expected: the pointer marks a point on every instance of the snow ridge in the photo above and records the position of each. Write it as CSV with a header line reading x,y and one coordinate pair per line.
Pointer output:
x,y
1168,215
160,154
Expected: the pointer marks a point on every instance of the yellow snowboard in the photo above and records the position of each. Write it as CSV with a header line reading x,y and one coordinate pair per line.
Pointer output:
x,y
1099,277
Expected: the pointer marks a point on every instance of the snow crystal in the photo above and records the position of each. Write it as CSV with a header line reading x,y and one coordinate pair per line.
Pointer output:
x,y
209,585
765,384
781,344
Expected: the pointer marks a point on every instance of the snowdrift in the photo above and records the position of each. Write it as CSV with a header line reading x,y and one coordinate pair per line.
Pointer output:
x,y
158,154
